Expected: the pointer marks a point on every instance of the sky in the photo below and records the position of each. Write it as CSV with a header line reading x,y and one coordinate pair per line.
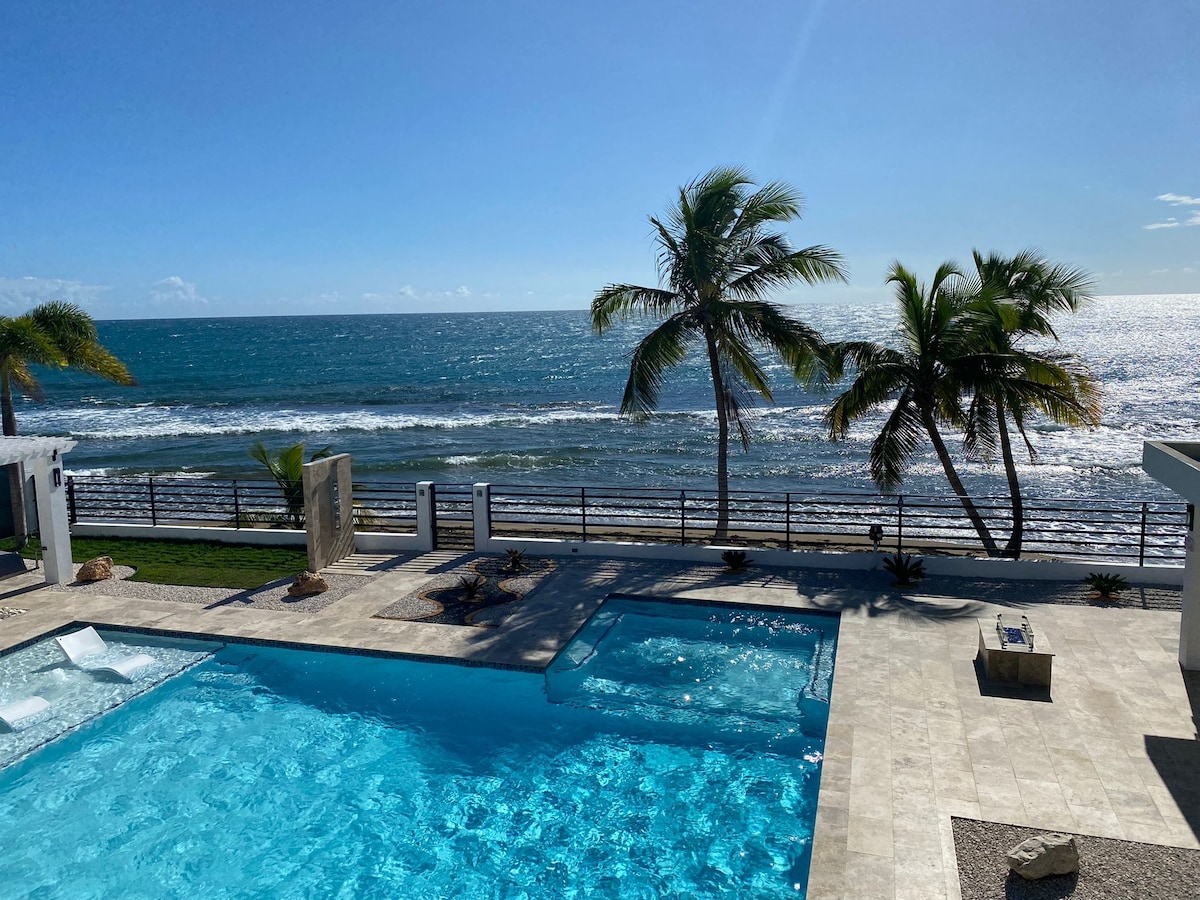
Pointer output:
x,y
213,159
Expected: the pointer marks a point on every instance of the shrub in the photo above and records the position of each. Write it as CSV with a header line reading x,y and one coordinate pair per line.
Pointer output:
x,y
516,560
904,567
1106,586
736,560
472,587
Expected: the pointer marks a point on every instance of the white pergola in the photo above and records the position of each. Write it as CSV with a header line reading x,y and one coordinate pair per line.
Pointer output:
x,y
1177,465
42,461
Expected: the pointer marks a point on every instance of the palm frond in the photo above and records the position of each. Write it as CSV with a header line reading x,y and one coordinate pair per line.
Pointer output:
x,y
625,301
65,323
20,337
813,265
897,442
773,202
662,349
99,361
882,374
736,357
22,377
799,346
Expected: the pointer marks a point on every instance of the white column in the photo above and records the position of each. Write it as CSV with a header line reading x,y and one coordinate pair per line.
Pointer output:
x,y
53,520
1189,627
425,516
481,503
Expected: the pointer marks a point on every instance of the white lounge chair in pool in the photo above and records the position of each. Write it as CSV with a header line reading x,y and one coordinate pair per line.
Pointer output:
x,y
87,650
12,715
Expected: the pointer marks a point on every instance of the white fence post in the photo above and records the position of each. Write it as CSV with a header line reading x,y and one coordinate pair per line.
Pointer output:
x,y
53,519
425,516
481,505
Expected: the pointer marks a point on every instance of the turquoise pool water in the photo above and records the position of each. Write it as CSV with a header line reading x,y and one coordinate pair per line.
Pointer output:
x,y
671,752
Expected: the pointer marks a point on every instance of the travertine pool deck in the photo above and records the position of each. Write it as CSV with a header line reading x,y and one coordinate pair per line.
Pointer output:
x,y
912,740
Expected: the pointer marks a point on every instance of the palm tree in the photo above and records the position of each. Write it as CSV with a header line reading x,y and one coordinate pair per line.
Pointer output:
x,y
1013,298
286,466
718,258
924,380
56,335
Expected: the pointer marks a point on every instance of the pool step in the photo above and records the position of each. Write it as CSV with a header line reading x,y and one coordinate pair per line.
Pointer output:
x,y
733,677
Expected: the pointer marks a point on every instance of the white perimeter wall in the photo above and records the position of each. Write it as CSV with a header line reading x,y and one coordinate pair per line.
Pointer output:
x,y
422,541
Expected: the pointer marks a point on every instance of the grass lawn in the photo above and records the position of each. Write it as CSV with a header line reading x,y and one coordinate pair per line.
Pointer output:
x,y
201,563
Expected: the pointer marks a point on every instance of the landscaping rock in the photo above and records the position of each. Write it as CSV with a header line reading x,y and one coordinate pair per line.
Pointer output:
x,y
307,583
1043,855
95,569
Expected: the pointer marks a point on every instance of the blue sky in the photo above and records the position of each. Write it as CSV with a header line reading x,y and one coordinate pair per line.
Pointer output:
x,y
251,158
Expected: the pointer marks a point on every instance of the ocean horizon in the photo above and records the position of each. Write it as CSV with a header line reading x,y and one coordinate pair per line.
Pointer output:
x,y
533,398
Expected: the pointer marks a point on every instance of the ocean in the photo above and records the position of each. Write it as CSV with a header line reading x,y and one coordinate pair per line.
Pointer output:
x,y
532,398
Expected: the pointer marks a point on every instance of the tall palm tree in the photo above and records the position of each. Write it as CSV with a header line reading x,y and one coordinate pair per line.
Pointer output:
x,y
718,258
56,335
923,380
1013,299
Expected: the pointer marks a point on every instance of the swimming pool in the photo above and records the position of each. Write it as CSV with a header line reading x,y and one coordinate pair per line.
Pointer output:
x,y
282,773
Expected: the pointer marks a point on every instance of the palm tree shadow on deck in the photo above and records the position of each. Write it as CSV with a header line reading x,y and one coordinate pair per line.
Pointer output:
x,y
1178,759
248,596
921,607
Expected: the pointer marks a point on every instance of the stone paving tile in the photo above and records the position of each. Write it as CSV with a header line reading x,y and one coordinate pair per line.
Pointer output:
x,y
1079,762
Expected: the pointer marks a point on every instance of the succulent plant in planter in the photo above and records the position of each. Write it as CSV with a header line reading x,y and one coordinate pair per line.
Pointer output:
x,y
516,560
472,587
905,568
1105,586
736,560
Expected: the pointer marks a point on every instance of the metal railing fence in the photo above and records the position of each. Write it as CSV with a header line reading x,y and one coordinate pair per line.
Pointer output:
x,y
235,503
1146,532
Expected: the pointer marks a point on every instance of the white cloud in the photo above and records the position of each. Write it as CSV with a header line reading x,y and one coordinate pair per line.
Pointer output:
x,y
1179,199
1172,221
408,293
173,290
19,294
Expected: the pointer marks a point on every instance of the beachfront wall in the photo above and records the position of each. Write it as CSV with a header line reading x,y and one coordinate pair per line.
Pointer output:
x,y
1065,539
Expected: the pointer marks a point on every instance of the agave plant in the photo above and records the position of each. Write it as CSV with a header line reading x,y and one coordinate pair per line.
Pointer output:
x,y
516,560
472,587
905,568
736,560
1106,586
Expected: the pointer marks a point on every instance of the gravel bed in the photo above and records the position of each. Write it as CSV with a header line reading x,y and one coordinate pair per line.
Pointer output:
x,y
501,591
7,612
1108,869
410,606
269,596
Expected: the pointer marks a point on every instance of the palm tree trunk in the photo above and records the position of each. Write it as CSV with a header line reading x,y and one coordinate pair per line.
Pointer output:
x,y
939,446
1013,547
14,473
714,365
